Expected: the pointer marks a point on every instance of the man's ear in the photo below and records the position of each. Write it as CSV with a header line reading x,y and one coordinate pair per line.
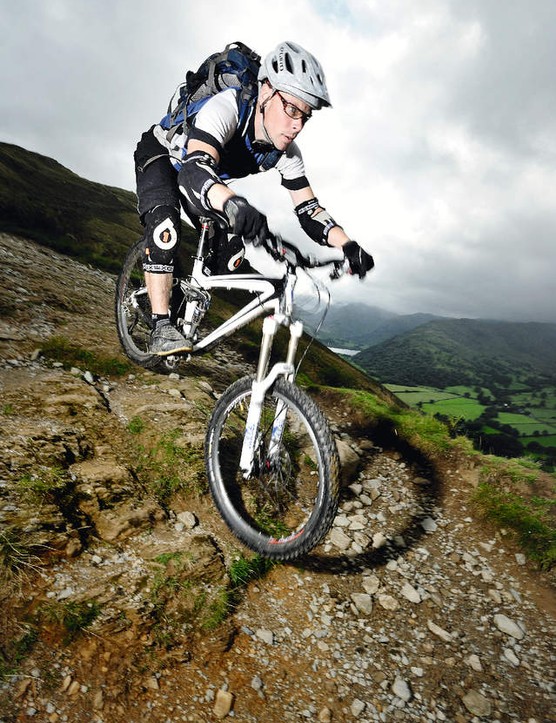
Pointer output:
x,y
265,92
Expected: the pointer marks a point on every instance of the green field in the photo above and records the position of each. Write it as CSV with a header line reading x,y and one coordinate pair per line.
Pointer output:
x,y
525,425
525,415
456,407
549,441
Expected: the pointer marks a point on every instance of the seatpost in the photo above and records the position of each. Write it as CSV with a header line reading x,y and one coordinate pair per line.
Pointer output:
x,y
206,224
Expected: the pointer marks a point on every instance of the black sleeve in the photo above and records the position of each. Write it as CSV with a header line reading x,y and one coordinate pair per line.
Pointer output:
x,y
196,134
295,184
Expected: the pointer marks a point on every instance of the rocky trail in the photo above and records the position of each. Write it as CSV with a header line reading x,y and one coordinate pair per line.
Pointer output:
x,y
411,610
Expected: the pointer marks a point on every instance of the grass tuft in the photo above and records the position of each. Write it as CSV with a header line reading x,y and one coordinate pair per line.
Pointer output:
x,y
73,617
62,350
505,497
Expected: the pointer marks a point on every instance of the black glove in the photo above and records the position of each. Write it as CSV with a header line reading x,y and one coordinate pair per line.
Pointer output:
x,y
359,260
245,220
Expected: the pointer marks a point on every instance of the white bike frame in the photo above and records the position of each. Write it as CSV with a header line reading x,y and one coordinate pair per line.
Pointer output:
x,y
273,296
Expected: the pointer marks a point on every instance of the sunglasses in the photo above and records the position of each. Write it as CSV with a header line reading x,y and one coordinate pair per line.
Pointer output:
x,y
292,110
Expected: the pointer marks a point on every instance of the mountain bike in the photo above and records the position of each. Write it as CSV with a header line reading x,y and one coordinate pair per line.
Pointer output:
x,y
271,460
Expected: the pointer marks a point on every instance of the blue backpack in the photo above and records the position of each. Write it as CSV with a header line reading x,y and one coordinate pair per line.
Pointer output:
x,y
237,66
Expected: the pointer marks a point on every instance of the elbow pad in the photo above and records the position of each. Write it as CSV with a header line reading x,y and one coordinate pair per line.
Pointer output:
x,y
195,179
315,223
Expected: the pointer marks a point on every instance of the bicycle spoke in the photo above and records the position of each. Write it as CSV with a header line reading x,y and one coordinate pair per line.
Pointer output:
x,y
280,496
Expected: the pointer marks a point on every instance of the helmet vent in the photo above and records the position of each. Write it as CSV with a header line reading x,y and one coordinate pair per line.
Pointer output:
x,y
288,63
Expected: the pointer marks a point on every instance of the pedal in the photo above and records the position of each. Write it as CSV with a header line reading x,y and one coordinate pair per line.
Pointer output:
x,y
170,361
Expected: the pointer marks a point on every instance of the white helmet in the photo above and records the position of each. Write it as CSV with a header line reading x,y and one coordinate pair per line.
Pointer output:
x,y
293,70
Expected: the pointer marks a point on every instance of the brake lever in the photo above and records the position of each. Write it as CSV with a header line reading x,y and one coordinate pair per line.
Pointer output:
x,y
341,267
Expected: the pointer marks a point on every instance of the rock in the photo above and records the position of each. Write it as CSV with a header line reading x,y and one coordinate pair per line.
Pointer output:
x,y
341,521
358,522
388,602
474,662
74,547
257,683
267,636
429,525
511,657
401,689
349,461
223,703
357,707
325,715
188,520
421,481
74,688
410,593
477,704
126,520
371,584
505,625
339,539
151,683
439,632
98,700
363,602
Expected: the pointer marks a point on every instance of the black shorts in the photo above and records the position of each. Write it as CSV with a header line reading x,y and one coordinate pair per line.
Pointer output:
x,y
157,179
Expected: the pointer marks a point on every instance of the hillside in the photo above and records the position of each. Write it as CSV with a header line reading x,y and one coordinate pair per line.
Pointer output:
x,y
451,352
44,201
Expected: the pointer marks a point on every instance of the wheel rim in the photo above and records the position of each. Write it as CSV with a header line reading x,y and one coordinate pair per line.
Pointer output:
x,y
279,499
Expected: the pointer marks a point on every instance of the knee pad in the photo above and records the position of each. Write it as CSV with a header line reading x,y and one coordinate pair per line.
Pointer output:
x,y
226,253
162,236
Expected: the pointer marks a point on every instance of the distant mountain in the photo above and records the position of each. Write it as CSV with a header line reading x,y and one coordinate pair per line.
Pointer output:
x,y
450,352
356,326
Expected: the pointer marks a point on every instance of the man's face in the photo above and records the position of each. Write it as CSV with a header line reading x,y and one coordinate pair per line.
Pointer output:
x,y
284,117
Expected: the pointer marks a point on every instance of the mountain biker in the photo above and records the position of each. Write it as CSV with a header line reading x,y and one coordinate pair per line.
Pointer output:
x,y
191,169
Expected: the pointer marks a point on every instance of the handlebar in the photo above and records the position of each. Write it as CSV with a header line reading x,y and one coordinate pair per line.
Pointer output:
x,y
286,252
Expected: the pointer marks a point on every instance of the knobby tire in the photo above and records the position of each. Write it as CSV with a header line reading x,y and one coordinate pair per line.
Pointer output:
x,y
134,322
284,509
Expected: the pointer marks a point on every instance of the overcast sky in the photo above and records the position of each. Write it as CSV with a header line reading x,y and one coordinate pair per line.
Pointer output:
x,y
439,155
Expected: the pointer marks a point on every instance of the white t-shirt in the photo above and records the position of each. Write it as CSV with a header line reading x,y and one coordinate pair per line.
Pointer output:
x,y
219,118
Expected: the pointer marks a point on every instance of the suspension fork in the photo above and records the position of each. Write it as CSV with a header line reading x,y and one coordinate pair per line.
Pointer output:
x,y
261,385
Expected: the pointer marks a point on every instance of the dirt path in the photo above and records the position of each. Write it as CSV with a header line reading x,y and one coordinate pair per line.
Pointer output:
x,y
437,626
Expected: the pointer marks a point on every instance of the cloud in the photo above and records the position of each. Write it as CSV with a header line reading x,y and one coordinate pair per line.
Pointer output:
x,y
439,154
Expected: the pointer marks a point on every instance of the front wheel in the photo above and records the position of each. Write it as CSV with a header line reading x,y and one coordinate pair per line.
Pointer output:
x,y
287,504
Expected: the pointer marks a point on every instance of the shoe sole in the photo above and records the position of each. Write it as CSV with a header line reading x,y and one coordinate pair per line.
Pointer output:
x,y
177,350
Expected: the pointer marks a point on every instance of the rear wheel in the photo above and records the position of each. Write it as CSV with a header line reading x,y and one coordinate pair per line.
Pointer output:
x,y
133,309
287,504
